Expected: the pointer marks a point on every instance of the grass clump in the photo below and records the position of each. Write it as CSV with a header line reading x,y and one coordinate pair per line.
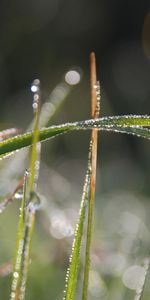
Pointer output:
x,y
137,125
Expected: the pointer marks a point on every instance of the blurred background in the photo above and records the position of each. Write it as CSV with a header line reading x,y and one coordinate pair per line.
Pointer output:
x,y
51,40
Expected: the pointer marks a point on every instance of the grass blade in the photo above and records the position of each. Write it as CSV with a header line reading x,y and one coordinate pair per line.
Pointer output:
x,y
72,272
136,131
35,150
27,218
19,248
29,226
31,190
94,138
128,124
71,278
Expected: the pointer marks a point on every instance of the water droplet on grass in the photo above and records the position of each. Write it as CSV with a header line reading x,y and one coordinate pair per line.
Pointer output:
x,y
35,86
15,275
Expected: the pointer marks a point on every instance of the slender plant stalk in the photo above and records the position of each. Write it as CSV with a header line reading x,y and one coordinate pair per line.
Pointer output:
x,y
71,278
28,209
19,248
94,137
29,227
31,190
72,272
34,159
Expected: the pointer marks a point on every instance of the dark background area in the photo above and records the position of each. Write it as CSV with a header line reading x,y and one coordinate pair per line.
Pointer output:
x,y
44,39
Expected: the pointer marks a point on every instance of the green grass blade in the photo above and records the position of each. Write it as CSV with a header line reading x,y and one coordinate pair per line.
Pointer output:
x,y
72,272
31,189
29,227
35,150
137,131
122,123
27,218
19,247
22,141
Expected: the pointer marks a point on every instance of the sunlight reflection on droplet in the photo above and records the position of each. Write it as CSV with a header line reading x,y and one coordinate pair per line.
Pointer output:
x,y
18,196
15,274
133,276
12,295
72,77
34,88
35,85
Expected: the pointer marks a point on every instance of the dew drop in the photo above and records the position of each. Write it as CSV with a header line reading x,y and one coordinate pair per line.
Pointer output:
x,y
15,275
18,196
12,295
35,86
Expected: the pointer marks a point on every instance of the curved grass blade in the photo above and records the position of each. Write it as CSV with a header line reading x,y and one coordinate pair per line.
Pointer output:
x,y
122,123
72,272
25,140
136,131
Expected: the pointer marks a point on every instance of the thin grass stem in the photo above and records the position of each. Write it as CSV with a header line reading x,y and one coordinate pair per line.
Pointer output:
x,y
27,218
19,248
94,138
